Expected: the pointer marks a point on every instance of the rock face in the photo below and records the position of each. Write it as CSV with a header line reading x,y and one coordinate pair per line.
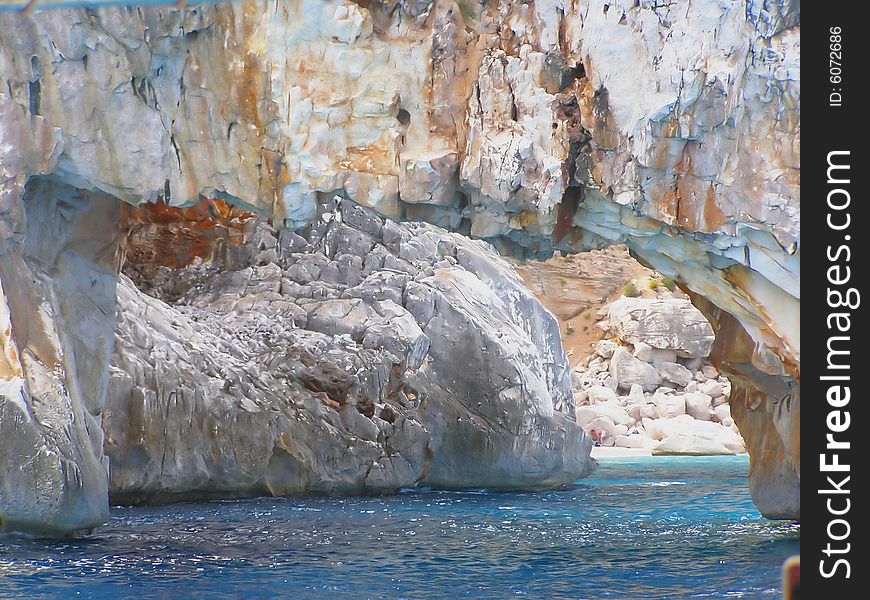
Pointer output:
x,y
670,324
57,302
361,356
542,126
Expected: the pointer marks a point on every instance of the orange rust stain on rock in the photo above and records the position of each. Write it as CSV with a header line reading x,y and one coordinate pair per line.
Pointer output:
x,y
524,218
671,207
667,206
10,363
246,75
661,156
372,159
714,218
250,90
683,214
693,214
157,234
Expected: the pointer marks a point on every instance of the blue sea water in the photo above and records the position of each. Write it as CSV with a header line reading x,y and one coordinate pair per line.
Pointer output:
x,y
662,527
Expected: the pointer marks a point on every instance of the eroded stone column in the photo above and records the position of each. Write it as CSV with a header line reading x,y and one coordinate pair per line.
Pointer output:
x,y
765,404
57,307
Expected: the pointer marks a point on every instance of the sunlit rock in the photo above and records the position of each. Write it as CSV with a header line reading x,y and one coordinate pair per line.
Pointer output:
x,y
552,125
628,371
670,324
260,378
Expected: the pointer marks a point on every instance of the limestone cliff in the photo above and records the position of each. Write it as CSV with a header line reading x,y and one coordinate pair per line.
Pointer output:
x,y
540,125
360,356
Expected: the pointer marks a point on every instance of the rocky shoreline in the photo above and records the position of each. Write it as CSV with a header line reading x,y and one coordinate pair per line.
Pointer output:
x,y
649,384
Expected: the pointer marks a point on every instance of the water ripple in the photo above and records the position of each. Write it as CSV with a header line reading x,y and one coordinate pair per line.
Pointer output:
x,y
630,531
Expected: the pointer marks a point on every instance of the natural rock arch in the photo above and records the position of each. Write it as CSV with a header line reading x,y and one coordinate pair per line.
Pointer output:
x,y
691,162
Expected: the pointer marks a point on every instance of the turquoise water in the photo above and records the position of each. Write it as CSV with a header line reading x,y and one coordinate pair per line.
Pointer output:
x,y
638,528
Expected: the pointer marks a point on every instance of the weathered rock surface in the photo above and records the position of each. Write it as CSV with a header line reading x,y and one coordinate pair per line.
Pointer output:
x,y
689,445
551,125
699,406
366,356
628,371
684,435
57,300
669,405
668,324
674,373
767,411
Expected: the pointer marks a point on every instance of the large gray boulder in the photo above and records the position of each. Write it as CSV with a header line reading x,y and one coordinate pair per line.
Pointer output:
x,y
666,324
628,371
675,373
682,434
369,357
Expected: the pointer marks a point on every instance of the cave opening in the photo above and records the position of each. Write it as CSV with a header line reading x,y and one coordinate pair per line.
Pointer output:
x,y
642,376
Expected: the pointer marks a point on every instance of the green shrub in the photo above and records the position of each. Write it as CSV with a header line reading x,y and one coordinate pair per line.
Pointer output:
x,y
466,7
653,284
630,290
669,283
